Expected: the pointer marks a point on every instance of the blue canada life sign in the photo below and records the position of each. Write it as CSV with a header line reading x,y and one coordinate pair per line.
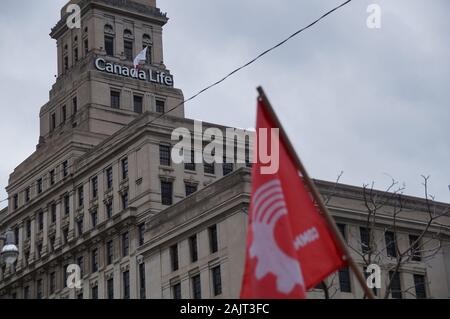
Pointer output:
x,y
150,75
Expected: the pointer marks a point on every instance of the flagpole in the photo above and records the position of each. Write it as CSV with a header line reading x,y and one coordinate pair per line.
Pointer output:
x,y
318,198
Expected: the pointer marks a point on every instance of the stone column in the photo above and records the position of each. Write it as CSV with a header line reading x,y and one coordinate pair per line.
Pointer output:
x,y
101,212
116,199
58,239
149,103
19,242
33,240
45,233
132,174
72,201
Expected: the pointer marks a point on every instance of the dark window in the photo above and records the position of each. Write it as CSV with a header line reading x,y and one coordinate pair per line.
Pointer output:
x,y
176,291
419,283
26,292
160,106
247,155
80,262
53,122
125,245
39,186
75,54
217,281
27,195
41,221
109,252
65,168
174,257
391,246
125,200
86,46
63,114
109,45
53,213
191,189
52,243
67,204
80,227
94,183
28,228
94,218
138,104
415,251
125,168
128,50
16,201
196,287
364,233
213,240
141,231
94,292
190,166
194,248
65,235
344,280
52,283
80,196
52,177
166,193
109,178
142,294
396,287
80,295
75,105
115,99
109,210
209,168
149,53
66,62
164,155
39,250
39,293
94,256
342,230
110,288
126,285
227,167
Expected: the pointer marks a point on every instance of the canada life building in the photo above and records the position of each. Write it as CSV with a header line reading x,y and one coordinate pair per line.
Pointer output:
x,y
101,191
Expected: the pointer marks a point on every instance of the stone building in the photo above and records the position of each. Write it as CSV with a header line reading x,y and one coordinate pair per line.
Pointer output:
x,y
101,190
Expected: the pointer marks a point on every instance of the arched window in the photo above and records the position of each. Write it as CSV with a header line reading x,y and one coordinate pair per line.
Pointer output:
x,y
147,42
128,44
109,40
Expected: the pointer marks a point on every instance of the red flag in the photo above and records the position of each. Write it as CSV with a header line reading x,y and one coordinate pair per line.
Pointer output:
x,y
290,248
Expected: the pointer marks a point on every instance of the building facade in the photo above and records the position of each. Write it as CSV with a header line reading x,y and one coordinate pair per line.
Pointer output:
x,y
101,190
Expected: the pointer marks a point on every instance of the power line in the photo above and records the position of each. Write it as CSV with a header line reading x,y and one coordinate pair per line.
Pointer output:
x,y
241,67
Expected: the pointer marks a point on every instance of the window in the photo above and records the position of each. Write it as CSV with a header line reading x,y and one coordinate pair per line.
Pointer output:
x,y
94,218
227,168
66,63
141,231
52,177
364,233
124,168
128,49
193,248
94,256
138,104
196,287
67,204
80,196
75,105
41,221
63,114
160,106
27,195
53,213
80,227
26,292
94,184
52,283
52,122
209,168
39,186
39,250
66,235
125,200
164,155
166,193
65,168
39,293
109,210
396,287
86,46
110,288
80,295
109,45
213,240
28,228
190,166
190,189
344,280
176,291
415,251
125,245
419,283
75,54
142,294
16,201
342,230
391,245
109,252
147,40
109,178
174,257
217,281
126,285
94,293
115,99
52,243
80,262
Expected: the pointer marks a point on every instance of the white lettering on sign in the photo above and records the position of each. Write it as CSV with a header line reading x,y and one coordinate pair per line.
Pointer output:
x,y
306,238
153,76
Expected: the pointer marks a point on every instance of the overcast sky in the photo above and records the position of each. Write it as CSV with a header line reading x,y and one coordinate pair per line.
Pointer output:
x,y
371,103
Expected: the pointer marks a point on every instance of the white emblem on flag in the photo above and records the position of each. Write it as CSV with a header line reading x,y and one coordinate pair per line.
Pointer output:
x,y
268,207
